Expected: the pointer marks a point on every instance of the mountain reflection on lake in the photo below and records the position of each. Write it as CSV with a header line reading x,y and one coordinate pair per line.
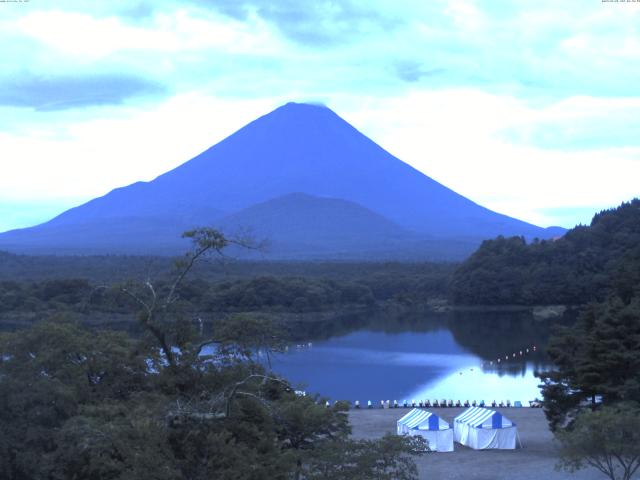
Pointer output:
x,y
448,357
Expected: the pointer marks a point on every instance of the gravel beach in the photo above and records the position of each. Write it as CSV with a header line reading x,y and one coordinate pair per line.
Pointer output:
x,y
536,460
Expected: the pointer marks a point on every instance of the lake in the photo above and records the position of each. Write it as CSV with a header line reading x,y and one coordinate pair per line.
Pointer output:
x,y
414,354
460,356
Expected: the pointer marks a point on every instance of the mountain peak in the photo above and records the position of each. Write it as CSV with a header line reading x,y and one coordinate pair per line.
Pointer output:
x,y
294,111
300,106
298,147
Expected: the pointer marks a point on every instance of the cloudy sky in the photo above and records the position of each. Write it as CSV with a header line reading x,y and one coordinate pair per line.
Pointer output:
x,y
529,108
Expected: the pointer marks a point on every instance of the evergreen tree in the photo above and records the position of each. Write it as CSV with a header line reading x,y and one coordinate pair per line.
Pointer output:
x,y
585,265
599,357
80,404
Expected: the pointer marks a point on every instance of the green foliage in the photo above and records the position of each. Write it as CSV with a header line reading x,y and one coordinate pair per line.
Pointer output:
x,y
285,294
80,404
365,459
25,301
48,376
586,264
301,424
108,441
249,335
599,356
387,277
608,440
207,239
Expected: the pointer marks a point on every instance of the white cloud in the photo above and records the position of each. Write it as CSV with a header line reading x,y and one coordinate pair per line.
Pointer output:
x,y
466,15
92,157
456,137
87,38
527,147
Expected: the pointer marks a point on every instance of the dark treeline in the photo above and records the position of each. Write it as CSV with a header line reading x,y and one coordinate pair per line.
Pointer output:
x,y
118,268
261,293
586,264
76,284
212,292
343,309
599,355
592,395
97,404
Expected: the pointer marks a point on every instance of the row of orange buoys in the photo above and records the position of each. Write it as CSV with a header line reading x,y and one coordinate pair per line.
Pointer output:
x,y
506,358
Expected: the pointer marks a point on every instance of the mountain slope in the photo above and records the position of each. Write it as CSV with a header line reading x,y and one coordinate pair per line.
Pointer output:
x,y
130,235
295,216
298,225
295,148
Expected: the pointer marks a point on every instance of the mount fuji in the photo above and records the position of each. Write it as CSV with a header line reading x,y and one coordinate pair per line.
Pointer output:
x,y
301,177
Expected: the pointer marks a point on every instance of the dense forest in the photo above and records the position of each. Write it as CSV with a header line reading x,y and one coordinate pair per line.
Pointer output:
x,y
591,388
586,264
80,403
109,406
297,292
118,268
143,398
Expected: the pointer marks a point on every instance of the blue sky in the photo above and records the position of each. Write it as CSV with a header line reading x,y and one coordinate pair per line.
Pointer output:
x,y
528,108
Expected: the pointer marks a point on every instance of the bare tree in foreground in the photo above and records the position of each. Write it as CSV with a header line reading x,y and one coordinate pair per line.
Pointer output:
x,y
156,315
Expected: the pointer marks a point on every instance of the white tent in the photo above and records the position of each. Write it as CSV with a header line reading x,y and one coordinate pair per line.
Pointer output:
x,y
429,426
481,428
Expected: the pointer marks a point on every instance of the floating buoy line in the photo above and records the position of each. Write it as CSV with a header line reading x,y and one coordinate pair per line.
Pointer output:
x,y
517,354
446,403
502,358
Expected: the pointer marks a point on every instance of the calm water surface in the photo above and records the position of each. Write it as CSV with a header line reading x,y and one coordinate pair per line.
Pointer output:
x,y
455,359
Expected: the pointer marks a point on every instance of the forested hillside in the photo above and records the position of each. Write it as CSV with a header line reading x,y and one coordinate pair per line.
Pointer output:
x,y
584,265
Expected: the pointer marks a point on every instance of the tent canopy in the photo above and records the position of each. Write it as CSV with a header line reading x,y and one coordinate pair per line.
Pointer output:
x,y
481,428
429,426
478,417
423,420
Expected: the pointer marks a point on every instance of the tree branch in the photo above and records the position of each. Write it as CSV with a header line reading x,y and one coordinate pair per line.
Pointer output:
x,y
234,388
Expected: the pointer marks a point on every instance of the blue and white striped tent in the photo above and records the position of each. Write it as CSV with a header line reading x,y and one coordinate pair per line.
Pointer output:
x,y
481,428
429,426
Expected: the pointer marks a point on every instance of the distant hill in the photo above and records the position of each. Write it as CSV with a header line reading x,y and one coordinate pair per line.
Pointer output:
x,y
586,264
302,226
296,148
298,224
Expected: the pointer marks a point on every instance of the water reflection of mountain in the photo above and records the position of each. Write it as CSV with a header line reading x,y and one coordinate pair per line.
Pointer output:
x,y
488,334
496,335
340,323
